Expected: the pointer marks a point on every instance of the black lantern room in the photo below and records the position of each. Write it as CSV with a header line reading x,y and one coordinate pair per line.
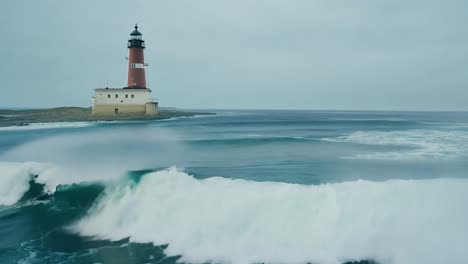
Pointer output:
x,y
136,39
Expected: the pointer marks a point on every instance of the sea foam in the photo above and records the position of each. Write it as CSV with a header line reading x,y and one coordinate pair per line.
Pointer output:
x,y
51,125
422,144
236,221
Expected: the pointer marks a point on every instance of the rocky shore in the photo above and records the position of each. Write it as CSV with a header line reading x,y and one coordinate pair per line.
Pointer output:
x,y
75,114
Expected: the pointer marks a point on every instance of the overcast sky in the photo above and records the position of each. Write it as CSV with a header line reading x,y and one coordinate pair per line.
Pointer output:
x,y
268,54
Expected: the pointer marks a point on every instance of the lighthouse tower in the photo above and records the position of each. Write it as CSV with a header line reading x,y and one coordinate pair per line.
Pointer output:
x,y
135,98
136,61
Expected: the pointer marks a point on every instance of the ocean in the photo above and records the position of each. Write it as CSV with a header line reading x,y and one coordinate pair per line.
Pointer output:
x,y
239,187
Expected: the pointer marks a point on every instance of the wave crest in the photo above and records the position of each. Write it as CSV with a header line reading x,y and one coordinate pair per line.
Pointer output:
x,y
14,181
237,221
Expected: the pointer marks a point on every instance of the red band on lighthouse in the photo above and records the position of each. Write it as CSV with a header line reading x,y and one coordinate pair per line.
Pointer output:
x,y
136,61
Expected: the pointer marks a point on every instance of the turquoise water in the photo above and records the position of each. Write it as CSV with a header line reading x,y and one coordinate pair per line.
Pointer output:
x,y
238,187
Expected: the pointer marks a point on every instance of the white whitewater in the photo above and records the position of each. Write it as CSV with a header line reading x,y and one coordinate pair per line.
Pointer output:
x,y
14,180
236,221
51,125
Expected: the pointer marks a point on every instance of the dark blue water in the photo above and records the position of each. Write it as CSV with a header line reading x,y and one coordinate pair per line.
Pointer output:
x,y
238,187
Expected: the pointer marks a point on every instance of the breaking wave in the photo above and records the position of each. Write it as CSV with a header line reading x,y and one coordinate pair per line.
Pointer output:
x,y
421,144
236,221
84,157
221,220
14,181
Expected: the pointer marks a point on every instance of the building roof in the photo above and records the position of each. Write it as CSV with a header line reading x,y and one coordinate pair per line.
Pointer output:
x,y
121,90
136,32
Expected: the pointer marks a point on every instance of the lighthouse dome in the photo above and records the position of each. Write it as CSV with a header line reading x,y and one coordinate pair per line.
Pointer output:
x,y
136,32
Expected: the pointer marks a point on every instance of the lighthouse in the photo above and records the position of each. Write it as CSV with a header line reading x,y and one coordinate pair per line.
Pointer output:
x,y
133,99
136,60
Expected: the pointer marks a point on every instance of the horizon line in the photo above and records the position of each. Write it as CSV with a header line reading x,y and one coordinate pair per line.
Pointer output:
x,y
263,109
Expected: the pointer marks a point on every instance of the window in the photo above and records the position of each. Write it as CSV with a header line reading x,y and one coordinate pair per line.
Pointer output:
x,y
137,66
133,96
136,37
116,96
108,96
126,96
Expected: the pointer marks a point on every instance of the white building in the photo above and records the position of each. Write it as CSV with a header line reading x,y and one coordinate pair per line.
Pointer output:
x,y
118,101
